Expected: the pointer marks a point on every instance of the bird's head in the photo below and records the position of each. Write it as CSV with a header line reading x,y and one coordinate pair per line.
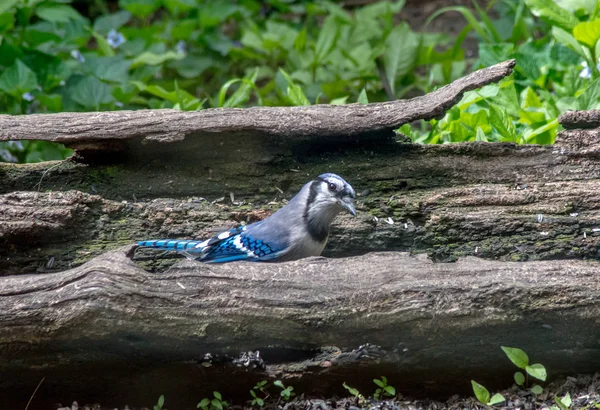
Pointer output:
x,y
331,193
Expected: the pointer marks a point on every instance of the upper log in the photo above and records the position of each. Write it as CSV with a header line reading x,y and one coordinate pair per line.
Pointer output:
x,y
107,131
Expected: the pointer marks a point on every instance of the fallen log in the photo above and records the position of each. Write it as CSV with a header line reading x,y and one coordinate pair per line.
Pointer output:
x,y
433,321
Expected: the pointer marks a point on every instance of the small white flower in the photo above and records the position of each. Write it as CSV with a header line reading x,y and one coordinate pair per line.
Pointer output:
x,y
586,72
28,96
180,47
77,56
115,39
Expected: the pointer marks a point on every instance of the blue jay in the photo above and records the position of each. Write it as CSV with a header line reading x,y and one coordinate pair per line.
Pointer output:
x,y
297,230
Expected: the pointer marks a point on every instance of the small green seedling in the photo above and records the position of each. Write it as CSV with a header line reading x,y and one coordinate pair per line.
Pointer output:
x,y
521,360
159,404
256,399
215,404
483,395
564,403
286,392
355,393
384,389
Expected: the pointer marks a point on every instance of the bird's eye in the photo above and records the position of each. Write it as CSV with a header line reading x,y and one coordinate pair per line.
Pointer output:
x,y
332,186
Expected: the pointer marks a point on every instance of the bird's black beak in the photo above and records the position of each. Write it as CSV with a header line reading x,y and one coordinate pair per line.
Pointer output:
x,y
347,203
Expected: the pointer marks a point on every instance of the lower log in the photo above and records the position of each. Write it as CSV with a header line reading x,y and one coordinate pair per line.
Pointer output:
x,y
433,321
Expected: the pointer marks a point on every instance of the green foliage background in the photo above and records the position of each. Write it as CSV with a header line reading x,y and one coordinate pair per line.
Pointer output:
x,y
60,55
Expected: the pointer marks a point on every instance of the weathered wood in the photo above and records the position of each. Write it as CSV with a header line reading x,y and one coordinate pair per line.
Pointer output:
x,y
428,317
580,119
109,130
496,201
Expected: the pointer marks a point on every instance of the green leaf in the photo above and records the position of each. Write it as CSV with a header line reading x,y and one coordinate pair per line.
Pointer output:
x,y
278,383
378,383
542,135
517,356
161,401
104,24
18,79
469,16
537,370
362,97
294,92
480,135
482,394
551,12
588,32
390,390
496,399
519,378
327,38
7,4
529,99
140,8
203,404
91,93
536,389
109,68
502,122
565,402
589,98
568,40
339,101
401,51
57,13
150,58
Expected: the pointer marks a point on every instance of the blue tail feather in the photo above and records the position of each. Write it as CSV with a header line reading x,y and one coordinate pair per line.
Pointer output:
x,y
169,244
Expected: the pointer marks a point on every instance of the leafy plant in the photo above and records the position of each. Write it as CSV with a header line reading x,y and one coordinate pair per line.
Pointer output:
x,y
216,403
383,389
521,360
256,398
483,395
286,392
355,393
160,403
564,403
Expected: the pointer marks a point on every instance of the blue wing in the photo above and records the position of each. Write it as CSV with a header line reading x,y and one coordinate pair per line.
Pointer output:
x,y
233,245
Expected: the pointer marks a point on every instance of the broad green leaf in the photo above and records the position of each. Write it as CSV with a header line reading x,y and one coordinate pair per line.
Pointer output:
x,y
502,122
176,97
587,32
109,68
482,394
91,93
339,101
517,356
161,401
327,38
155,59
362,97
216,404
51,102
294,92
7,4
390,390
57,13
103,46
529,99
204,403
549,11
536,389
217,395
104,24
18,79
545,134
7,22
401,51
140,8
565,402
537,370
567,39
519,378
480,135
589,98
496,399
378,382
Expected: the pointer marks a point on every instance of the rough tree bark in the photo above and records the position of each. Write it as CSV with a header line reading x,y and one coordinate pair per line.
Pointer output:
x,y
72,302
